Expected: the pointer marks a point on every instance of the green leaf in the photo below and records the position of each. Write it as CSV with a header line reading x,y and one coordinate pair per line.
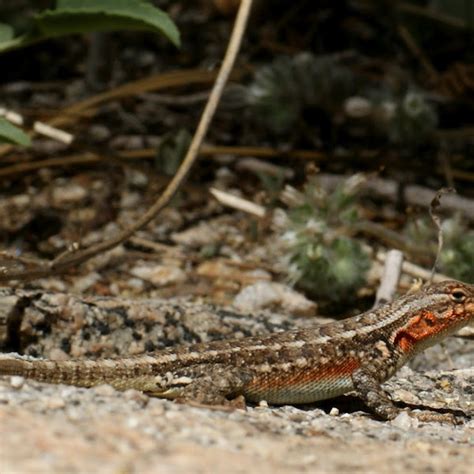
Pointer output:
x,y
83,16
6,32
11,134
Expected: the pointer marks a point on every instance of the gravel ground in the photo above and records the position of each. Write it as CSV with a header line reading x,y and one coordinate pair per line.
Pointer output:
x,y
48,428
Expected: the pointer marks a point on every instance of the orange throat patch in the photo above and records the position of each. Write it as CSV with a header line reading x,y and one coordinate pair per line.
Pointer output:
x,y
423,326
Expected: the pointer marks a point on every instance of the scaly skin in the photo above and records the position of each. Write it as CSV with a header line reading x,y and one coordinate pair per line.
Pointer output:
x,y
300,366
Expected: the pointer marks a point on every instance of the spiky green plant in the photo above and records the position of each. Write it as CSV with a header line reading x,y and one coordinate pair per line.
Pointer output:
x,y
414,121
323,259
281,90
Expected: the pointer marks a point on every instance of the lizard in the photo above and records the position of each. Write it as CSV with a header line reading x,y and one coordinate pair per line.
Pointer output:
x,y
298,366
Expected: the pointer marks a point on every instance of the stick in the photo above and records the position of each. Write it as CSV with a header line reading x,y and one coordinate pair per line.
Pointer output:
x,y
74,258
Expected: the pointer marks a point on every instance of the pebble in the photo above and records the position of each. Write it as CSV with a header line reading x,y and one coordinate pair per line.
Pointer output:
x,y
55,403
136,396
17,382
104,390
133,422
73,414
159,275
266,294
405,422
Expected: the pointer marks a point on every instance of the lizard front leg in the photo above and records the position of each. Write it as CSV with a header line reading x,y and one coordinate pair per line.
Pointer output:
x,y
369,390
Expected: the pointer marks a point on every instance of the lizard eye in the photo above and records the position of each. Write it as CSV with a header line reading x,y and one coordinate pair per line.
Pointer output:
x,y
458,296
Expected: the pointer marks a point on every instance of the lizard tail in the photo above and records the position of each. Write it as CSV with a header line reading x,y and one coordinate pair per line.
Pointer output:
x,y
12,367
121,374
66,372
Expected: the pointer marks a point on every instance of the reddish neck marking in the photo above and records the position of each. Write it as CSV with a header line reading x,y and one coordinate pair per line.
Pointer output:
x,y
422,326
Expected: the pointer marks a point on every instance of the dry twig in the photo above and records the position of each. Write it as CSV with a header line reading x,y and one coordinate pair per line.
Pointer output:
x,y
435,203
391,275
76,257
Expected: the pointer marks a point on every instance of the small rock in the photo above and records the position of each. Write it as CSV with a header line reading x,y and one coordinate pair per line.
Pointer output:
x,y
104,390
267,294
298,417
55,403
17,382
73,414
230,275
132,423
334,411
357,107
137,178
136,284
130,200
136,396
197,236
52,284
68,194
58,354
68,391
99,132
159,275
106,258
467,331
156,406
85,282
21,201
405,422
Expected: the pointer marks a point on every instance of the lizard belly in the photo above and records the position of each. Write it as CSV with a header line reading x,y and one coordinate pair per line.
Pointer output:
x,y
303,385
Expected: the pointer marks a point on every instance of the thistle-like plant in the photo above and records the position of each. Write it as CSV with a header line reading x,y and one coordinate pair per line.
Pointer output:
x,y
282,90
414,121
322,257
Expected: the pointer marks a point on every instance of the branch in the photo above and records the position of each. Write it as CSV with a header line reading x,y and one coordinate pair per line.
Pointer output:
x,y
76,257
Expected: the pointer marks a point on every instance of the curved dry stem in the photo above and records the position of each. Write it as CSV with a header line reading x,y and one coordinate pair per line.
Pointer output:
x,y
77,257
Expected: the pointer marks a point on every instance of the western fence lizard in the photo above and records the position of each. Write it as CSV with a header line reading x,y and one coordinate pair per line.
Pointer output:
x,y
291,367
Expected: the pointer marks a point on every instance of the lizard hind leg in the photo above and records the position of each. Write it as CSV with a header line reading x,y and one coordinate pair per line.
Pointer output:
x,y
203,385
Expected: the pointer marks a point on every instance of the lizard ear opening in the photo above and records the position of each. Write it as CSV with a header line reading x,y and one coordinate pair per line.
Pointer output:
x,y
458,295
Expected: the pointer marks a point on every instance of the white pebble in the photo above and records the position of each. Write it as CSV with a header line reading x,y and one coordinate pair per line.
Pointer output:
x,y
55,403
16,381
405,422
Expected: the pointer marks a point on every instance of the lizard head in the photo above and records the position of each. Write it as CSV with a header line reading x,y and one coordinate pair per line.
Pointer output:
x,y
447,307
458,299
